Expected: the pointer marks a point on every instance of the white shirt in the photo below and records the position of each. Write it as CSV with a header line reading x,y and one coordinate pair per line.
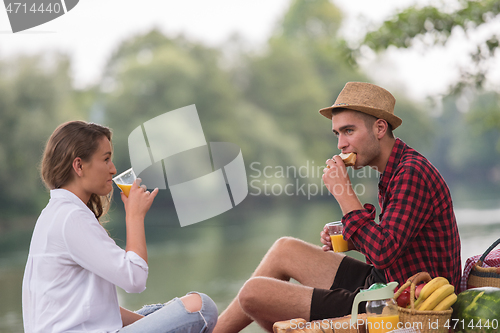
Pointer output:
x,y
72,270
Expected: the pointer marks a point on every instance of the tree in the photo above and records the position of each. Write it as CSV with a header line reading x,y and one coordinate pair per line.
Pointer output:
x,y
432,26
151,74
310,21
436,25
35,97
303,69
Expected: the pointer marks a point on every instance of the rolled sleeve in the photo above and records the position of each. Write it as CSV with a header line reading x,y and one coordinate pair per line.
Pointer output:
x,y
354,220
138,284
90,246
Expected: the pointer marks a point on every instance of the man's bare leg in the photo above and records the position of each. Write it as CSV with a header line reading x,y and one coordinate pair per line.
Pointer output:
x,y
268,296
267,300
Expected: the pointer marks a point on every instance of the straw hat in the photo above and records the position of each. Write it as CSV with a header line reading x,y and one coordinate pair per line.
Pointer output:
x,y
367,98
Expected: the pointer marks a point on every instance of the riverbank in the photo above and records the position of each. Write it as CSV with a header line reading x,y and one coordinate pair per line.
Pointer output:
x,y
215,256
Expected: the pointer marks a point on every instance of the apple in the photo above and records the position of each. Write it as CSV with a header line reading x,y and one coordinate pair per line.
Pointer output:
x,y
418,289
404,299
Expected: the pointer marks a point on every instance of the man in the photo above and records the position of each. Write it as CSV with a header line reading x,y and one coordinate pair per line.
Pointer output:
x,y
416,232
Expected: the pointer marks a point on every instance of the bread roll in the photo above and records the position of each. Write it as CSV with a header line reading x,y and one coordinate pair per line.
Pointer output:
x,y
349,159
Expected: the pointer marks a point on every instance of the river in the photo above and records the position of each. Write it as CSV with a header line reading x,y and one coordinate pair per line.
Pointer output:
x,y
218,255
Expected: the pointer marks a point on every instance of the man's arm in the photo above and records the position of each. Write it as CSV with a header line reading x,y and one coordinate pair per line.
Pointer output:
x,y
408,207
337,181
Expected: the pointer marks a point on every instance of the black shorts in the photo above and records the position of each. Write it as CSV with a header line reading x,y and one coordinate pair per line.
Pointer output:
x,y
352,276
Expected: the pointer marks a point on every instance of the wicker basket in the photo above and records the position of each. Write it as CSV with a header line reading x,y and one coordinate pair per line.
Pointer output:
x,y
484,276
424,321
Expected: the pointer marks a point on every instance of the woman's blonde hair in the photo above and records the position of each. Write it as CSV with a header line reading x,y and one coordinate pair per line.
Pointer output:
x,y
69,141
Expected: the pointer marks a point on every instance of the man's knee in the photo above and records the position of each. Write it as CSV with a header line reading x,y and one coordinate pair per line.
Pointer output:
x,y
285,244
249,295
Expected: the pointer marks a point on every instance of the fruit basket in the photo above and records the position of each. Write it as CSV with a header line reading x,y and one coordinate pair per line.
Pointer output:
x,y
485,276
424,321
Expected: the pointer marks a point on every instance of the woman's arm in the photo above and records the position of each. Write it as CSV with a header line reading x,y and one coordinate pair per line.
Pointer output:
x,y
129,317
137,205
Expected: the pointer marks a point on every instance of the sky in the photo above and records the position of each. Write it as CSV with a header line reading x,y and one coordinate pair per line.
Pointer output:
x,y
94,28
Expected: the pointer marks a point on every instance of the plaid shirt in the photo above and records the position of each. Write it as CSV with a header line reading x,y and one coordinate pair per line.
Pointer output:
x,y
417,230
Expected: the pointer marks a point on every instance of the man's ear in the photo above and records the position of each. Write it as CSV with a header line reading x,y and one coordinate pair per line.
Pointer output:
x,y
78,166
380,128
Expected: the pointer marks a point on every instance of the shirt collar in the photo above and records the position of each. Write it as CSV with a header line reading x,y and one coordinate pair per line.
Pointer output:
x,y
60,193
392,163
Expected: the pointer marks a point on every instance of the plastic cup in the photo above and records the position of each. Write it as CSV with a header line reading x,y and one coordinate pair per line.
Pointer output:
x,y
339,244
125,180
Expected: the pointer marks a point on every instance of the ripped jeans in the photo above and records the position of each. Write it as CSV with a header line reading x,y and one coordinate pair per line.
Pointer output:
x,y
173,317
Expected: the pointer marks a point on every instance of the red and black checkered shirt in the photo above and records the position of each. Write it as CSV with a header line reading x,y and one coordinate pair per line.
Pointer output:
x,y
417,229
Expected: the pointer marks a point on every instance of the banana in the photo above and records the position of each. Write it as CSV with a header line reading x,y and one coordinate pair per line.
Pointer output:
x,y
429,288
436,297
446,303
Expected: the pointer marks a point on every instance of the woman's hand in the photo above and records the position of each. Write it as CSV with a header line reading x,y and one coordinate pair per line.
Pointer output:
x,y
139,199
136,206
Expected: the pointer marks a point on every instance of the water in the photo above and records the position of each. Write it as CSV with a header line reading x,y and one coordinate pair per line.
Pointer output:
x,y
217,256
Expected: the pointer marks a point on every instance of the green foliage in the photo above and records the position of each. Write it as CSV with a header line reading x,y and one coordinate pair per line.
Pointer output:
x,y
485,115
417,129
484,121
266,101
462,139
152,74
35,97
302,71
462,134
429,26
311,20
404,27
271,100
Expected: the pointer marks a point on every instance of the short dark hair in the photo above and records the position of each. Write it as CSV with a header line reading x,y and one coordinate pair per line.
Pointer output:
x,y
368,119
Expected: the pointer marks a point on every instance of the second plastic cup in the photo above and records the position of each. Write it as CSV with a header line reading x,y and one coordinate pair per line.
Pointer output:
x,y
339,244
125,180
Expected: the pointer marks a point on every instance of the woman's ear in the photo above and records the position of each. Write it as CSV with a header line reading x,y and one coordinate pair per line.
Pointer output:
x,y
380,128
78,166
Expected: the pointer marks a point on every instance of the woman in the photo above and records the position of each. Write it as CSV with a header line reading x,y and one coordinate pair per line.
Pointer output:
x,y
73,265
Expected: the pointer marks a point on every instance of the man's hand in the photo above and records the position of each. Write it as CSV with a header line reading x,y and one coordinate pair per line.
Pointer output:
x,y
336,178
326,240
337,181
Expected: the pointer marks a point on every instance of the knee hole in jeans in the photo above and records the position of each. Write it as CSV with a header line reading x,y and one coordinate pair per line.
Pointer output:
x,y
192,302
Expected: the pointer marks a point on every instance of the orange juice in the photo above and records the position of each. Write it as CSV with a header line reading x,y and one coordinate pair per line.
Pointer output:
x,y
382,324
125,188
338,243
